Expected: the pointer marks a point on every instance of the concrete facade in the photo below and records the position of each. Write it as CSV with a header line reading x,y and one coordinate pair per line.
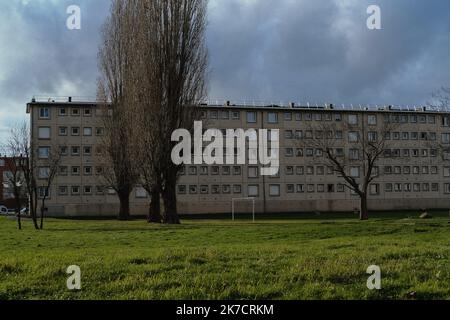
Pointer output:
x,y
413,174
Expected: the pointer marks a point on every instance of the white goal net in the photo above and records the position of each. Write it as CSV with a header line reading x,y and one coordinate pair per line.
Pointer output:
x,y
233,206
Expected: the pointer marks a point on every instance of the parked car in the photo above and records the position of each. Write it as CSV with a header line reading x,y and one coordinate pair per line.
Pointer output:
x,y
3,211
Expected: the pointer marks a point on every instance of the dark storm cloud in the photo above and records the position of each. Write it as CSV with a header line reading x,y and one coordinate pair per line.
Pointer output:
x,y
288,50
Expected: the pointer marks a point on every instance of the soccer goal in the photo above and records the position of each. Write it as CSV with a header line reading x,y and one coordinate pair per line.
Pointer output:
x,y
234,200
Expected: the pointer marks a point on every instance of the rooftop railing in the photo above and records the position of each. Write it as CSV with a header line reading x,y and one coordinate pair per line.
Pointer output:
x,y
267,104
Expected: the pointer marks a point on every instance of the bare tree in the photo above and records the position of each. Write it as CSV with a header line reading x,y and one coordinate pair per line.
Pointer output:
x,y
15,178
353,150
175,62
115,91
47,171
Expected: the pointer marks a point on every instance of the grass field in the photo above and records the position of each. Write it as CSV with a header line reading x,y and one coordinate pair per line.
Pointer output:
x,y
311,257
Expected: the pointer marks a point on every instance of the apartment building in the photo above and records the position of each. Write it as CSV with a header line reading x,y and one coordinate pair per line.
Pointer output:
x,y
413,172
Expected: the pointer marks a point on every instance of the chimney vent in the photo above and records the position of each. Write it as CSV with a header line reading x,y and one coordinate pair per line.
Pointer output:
x,y
70,99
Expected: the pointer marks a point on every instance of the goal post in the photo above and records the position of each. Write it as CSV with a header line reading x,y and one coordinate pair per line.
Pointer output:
x,y
234,200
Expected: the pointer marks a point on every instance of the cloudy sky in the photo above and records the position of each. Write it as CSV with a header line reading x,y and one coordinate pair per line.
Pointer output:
x,y
285,50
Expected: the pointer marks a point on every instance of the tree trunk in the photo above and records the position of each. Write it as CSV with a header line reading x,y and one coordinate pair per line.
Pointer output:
x,y
42,214
170,204
363,213
33,211
154,215
19,222
124,213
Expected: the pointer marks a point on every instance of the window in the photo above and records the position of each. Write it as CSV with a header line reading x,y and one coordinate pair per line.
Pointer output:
x,y
353,119
407,170
354,172
423,119
63,131
226,170
215,170
99,131
446,138
298,116
416,187
75,190
353,136
100,190
181,189
87,131
236,115
87,112
62,190
63,171
44,113
62,112
226,189
387,170
288,134
274,190
75,171
253,172
251,117
287,116
340,187
372,119
318,117
213,114
425,187
44,133
87,190
193,189
403,118
414,135
75,131
413,119
204,189
300,188
338,117
237,189
446,188
75,151
432,119
435,187
290,188
405,135
446,121
192,171
225,115
43,192
388,187
237,171
63,150
289,170
75,111
87,171
354,154
44,152
98,170
253,190
434,170
397,187
374,189
310,170
272,117
310,188
320,188
289,152
44,172
299,152
446,172
299,170
407,187
320,170
372,136
87,151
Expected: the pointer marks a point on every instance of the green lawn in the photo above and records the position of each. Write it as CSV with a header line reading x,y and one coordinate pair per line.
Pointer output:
x,y
323,257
